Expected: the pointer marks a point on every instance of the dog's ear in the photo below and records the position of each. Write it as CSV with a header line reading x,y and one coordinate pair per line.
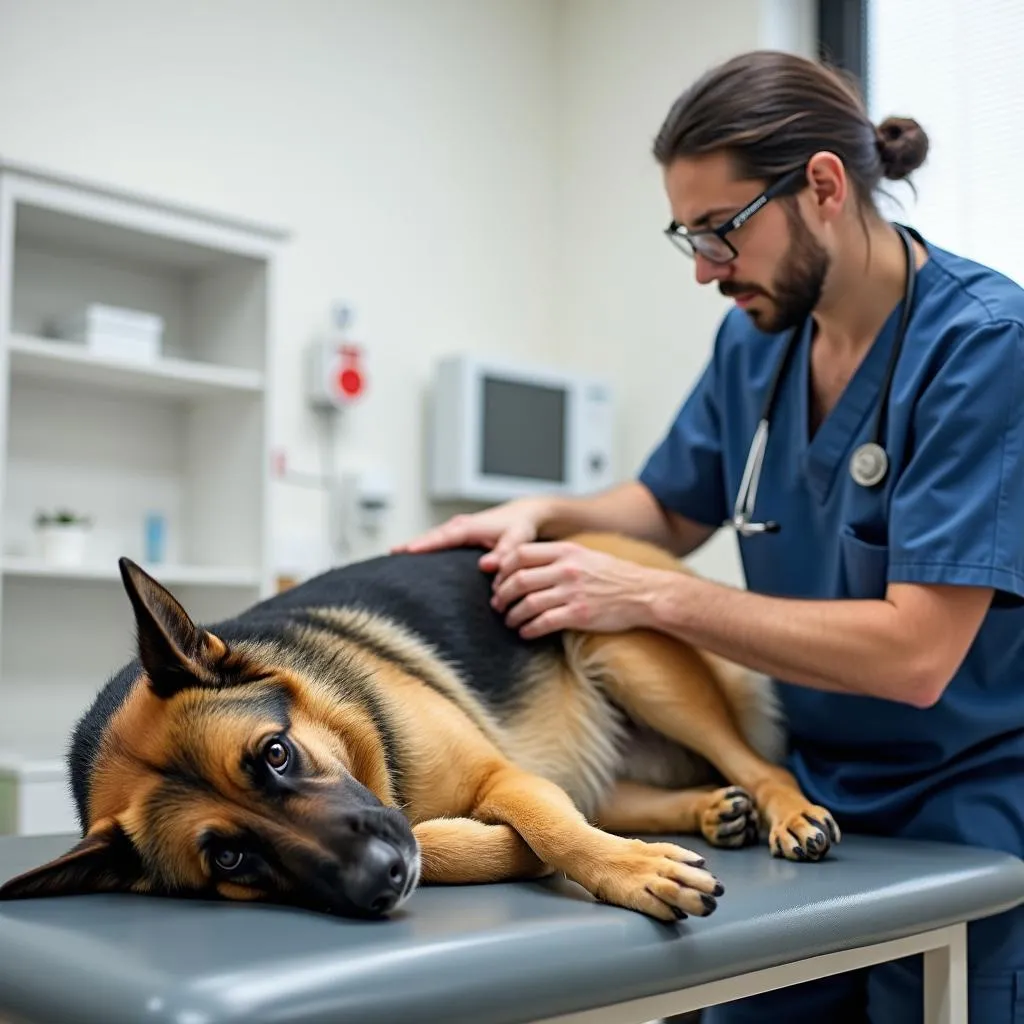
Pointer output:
x,y
104,861
175,653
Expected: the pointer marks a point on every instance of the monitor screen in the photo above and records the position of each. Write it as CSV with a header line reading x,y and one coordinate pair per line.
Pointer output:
x,y
524,430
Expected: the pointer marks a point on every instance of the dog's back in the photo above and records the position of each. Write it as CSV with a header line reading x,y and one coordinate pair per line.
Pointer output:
x,y
440,597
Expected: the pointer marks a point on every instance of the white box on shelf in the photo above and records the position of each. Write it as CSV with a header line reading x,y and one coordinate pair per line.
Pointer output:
x,y
114,332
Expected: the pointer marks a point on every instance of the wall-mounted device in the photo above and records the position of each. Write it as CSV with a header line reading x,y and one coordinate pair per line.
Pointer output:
x,y
335,371
334,374
500,430
365,496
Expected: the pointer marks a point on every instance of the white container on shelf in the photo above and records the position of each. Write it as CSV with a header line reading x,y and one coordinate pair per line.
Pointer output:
x,y
114,332
63,543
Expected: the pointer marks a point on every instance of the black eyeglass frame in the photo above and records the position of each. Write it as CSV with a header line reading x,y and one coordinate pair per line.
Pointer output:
x,y
683,239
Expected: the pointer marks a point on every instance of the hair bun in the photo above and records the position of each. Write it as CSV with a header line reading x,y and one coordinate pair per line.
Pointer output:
x,y
902,145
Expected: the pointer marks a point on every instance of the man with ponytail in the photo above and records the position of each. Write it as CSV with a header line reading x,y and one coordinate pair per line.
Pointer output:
x,y
883,548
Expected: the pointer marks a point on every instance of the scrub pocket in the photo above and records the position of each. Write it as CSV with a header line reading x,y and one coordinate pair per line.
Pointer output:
x,y
997,997
865,564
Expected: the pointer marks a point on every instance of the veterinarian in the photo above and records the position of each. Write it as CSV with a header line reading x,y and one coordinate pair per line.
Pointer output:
x,y
860,423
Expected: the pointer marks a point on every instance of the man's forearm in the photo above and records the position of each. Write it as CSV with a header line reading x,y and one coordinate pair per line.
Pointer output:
x,y
843,646
628,509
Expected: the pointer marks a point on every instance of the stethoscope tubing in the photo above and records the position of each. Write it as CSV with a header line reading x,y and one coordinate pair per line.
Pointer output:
x,y
869,462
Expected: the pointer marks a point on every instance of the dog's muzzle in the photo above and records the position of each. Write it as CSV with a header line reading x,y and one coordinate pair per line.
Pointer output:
x,y
381,878
373,862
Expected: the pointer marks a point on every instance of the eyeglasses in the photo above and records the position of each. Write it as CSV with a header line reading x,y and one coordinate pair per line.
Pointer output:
x,y
711,243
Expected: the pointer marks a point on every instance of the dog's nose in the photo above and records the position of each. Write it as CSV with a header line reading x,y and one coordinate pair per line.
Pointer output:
x,y
377,882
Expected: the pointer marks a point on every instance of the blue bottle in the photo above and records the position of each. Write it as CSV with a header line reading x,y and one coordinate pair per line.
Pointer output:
x,y
156,537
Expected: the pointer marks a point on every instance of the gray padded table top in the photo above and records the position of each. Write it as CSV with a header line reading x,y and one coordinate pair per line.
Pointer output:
x,y
492,954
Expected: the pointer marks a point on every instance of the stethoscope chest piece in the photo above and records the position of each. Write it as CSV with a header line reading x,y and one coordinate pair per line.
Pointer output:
x,y
869,464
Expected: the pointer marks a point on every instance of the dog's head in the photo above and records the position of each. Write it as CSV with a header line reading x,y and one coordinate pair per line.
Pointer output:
x,y
225,772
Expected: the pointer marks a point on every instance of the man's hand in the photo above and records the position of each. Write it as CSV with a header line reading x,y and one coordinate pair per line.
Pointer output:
x,y
547,586
500,529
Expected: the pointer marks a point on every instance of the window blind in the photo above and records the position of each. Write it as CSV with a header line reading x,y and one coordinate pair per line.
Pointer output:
x,y
955,67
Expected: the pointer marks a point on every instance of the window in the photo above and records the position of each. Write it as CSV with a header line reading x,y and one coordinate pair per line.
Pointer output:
x,y
953,66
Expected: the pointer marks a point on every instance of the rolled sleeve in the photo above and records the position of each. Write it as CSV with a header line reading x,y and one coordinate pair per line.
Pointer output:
x,y
684,472
957,512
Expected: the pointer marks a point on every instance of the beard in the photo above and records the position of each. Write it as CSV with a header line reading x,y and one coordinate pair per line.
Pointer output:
x,y
797,287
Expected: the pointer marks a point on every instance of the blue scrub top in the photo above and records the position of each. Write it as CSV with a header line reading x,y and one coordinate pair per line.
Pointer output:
x,y
950,511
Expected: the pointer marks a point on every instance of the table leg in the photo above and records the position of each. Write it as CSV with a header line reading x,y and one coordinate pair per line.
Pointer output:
x,y
945,980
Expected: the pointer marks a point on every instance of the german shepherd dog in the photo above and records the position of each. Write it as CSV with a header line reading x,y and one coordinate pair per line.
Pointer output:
x,y
380,725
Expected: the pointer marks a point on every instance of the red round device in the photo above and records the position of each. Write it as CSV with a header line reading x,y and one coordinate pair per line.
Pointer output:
x,y
349,379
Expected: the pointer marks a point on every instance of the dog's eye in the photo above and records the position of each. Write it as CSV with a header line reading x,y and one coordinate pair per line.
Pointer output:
x,y
229,860
277,755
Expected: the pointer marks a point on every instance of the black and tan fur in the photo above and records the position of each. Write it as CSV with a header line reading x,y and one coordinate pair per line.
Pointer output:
x,y
380,725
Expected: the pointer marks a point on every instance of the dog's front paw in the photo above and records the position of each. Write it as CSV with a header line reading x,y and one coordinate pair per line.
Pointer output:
x,y
806,835
730,818
660,879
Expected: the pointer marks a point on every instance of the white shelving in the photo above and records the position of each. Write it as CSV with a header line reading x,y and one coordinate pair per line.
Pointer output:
x,y
169,574
41,358
185,435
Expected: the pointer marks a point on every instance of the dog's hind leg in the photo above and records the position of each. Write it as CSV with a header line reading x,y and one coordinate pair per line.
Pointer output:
x,y
671,688
724,816
461,851
661,879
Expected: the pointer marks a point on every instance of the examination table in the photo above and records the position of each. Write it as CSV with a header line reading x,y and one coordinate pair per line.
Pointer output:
x,y
493,954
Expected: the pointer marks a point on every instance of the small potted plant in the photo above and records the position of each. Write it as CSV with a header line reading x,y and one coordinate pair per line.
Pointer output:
x,y
62,536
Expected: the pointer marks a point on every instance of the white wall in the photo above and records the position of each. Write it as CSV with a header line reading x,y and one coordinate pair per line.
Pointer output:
x,y
467,173
955,69
628,304
409,145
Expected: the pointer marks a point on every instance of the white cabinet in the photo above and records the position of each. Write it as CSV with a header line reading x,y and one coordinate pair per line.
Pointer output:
x,y
118,438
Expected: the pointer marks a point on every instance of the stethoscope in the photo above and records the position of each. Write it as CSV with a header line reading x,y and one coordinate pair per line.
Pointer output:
x,y
869,462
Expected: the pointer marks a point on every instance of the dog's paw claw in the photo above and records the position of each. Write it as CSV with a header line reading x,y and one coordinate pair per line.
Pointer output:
x,y
658,879
730,820
806,836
